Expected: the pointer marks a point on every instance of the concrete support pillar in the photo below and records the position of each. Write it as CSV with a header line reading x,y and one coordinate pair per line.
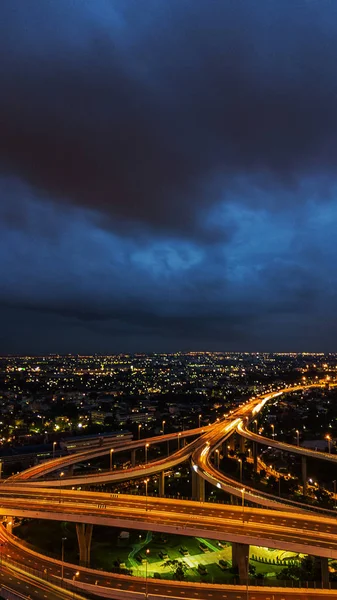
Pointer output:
x,y
201,489
194,484
133,458
162,483
84,535
304,475
168,447
255,455
225,449
231,442
70,470
198,487
240,559
242,444
325,572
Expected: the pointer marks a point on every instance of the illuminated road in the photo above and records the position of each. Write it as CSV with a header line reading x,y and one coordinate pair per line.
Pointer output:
x,y
253,437
299,532
206,470
115,585
63,462
273,529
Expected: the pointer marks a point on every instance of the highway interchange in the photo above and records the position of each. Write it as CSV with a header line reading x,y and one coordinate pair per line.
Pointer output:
x,y
27,495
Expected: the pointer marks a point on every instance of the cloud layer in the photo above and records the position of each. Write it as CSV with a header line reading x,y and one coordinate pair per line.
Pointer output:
x,y
168,175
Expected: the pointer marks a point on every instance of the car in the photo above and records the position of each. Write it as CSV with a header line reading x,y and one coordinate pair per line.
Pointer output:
x,y
203,546
163,555
223,564
202,570
183,550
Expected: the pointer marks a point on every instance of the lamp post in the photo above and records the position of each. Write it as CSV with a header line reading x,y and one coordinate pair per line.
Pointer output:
x,y
54,446
139,428
199,418
146,447
1,463
273,428
146,481
61,475
243,501
334,492
111,453
179,434
163,426
298,437
217,458
62,557
327,437
147,554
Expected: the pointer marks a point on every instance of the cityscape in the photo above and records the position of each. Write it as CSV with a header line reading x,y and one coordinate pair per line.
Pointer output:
x,y
106,462
168,323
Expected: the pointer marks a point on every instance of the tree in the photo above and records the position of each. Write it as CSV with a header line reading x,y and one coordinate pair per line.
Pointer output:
x,y
179,568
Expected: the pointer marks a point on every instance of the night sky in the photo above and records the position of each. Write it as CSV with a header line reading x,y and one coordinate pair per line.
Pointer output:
x,y
168,175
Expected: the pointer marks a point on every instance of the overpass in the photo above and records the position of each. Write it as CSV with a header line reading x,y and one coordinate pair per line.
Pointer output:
x,y
56,464
307,533
239,525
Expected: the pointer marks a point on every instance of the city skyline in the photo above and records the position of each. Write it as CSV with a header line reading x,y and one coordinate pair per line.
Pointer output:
x,y
168,176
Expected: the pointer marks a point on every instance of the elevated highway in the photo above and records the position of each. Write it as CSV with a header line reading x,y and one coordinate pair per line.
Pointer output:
x,y
55,464
26,495
243,430
221,429
274,529
121,587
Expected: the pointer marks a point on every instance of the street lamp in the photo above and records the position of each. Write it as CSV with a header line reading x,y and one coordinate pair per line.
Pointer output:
x,y
62,558
273,428
217,458
54,446
139,428
147,553
199,417
111,453
61,475
334,491
146,481
298,437
243,501
163,426
146,447
179,434
327,437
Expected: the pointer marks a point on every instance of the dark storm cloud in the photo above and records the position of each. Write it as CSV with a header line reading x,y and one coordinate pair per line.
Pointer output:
x,y
168,175
149,115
